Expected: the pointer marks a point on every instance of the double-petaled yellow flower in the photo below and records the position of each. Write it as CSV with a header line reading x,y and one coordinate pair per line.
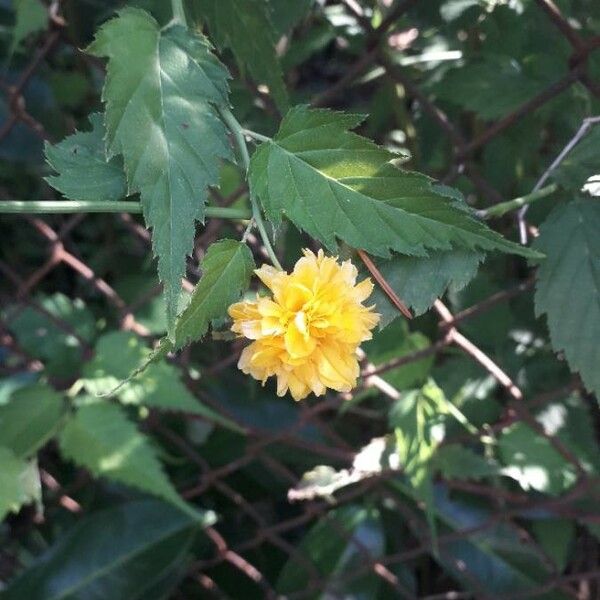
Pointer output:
x,y
308,331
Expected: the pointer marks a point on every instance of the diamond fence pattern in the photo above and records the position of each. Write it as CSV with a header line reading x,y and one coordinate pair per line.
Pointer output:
x,y
254,527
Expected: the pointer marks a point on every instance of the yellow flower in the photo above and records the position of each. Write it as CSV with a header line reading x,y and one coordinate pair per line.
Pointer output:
x,y
308,331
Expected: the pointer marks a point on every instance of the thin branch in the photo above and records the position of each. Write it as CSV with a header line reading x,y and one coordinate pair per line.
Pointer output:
x,y
383,284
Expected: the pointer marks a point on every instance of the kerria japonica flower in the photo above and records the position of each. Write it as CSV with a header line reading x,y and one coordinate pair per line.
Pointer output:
x,y
308,331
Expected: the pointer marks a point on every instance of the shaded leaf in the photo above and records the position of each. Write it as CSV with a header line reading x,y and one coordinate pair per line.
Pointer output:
x,y
31,16
568,285
531,459
84,172
19,482
458,462
579,164
419,282
122,553
103,440
335,184
338,545
31,417
54,333
159,386
475,86
245,27
160,93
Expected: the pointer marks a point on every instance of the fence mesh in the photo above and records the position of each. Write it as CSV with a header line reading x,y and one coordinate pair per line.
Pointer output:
x,y
256,528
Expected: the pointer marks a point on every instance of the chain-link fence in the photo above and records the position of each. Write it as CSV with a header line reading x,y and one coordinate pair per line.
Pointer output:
x,y
254,528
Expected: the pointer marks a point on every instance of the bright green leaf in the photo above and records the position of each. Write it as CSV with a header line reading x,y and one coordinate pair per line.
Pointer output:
x,y
160,94
335,184
568,285
123,553
103,440
84,173
245,27
31,417
226,271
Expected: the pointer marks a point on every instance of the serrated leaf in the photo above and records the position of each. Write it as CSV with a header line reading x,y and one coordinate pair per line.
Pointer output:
x,y
100,438
122,553
118,354
84,173
245,27
458,462
418,282
160,94
19,482
568,285
335,184
31,417
226,271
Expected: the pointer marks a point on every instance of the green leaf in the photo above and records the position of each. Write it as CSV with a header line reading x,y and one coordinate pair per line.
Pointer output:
x,y
475,86
418,282
54,332
530,459
245,27
122,553
568,285
226,271
457,462
397,341
31,16
418,420
160,93
337,545
495,561
103,440
335,184
575,169
286,14
84,173
159,386
31,417
19,482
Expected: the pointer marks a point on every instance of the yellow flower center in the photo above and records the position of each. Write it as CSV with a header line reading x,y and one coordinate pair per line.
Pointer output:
x,y
307,332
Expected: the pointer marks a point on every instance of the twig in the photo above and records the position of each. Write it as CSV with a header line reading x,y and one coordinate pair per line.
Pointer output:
x,y
383,284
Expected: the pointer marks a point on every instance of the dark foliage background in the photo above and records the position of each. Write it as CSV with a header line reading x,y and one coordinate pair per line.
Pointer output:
x,y
481,94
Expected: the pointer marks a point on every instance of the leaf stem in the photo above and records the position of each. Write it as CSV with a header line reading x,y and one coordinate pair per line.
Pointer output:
x,y
501,209
178,12
238,133
257,136
125,206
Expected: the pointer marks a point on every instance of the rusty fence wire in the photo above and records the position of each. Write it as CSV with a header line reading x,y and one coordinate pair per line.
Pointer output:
x,y
261,525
